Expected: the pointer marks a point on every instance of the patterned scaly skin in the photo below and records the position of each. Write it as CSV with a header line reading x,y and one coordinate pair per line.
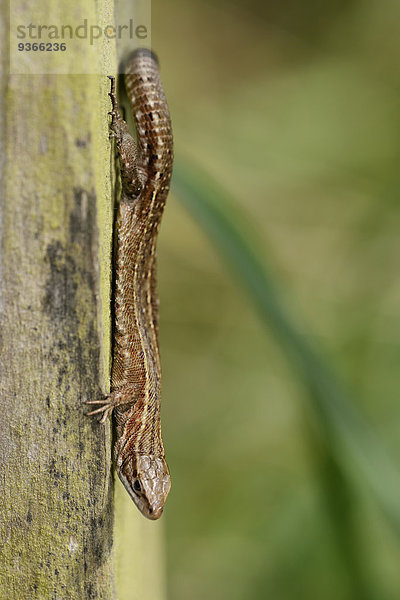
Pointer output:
x,y
145,169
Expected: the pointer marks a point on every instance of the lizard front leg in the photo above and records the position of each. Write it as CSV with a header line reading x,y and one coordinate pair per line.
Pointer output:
x,y
128,394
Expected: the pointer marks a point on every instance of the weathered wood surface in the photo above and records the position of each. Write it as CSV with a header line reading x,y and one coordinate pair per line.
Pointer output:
x,y
57,509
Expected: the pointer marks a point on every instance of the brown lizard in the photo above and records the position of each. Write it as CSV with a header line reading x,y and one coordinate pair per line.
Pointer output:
x,y
145,169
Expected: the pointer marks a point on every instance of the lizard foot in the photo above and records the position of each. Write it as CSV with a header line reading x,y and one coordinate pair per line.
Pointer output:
x,y
124,395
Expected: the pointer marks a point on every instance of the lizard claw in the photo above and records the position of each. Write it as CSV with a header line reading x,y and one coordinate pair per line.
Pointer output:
x,y
125,395
106,409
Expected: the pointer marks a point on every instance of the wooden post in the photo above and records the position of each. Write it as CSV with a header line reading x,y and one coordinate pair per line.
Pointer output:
x,y
56,217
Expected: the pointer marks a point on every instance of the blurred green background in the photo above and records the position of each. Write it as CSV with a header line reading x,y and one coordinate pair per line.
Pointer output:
x,y
281,428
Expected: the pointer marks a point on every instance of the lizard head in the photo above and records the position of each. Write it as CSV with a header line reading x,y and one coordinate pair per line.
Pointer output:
x,y
147,481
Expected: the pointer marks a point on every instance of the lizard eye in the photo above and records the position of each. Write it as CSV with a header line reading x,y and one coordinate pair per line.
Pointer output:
x,y
136,486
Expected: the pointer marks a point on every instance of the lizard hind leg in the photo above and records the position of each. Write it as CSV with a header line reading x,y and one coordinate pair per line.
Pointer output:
x,y
131,174
118,125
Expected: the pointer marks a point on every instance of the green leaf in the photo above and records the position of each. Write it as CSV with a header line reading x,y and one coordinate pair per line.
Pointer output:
x,y
350,440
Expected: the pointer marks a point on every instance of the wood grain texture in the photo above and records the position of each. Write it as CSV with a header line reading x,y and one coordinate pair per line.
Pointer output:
x,y
56,518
